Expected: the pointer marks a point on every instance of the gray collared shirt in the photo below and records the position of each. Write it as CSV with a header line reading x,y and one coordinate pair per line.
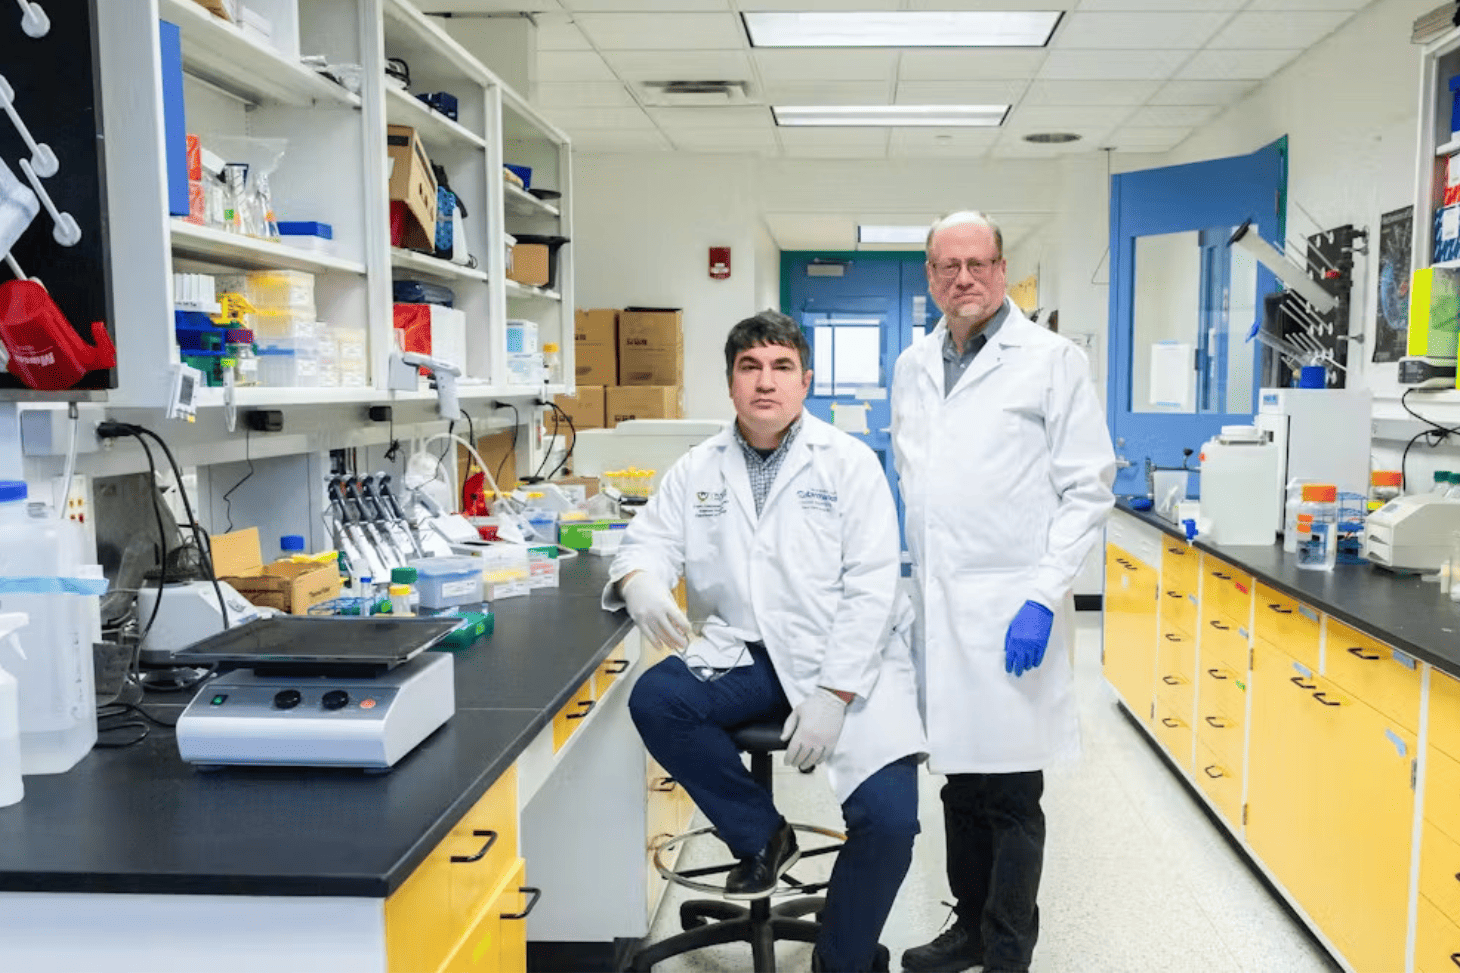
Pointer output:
x,y
763,469
954,364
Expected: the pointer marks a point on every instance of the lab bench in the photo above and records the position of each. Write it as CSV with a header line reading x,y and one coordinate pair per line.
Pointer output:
x,y
530,815
1316,714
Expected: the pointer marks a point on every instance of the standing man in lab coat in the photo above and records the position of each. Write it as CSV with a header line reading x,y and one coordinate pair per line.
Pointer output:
x,y
785,532
1005,466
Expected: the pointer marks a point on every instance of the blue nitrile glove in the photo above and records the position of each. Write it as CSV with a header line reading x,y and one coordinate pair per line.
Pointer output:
x,y
1028,638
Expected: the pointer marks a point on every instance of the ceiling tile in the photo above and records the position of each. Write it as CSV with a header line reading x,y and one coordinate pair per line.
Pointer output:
x,y
1202,92
915,142
834,143
1013,147
643,5
985,5
960,92
945,65
575,120
800,64
1307,4
1178,6
556,32
1062,118
485,6
1153,65
674,66
833,5
1227,65
1148,139
761,141
1173,116
572,66
1279,29
607,140
826,92
1084,93
812,231
1137,31
583,94
737,117
662,31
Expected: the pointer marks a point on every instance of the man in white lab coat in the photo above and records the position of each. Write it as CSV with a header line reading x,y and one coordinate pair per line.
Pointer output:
x,y
785,532
1005,466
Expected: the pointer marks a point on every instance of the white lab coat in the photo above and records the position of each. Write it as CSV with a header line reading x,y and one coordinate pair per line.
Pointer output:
x,y
1006,483
816,575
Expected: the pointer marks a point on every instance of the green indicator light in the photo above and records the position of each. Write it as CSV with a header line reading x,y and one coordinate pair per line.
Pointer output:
x,y
219,699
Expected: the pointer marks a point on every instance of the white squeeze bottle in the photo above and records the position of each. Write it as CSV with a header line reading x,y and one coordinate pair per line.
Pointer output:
x,y
12,787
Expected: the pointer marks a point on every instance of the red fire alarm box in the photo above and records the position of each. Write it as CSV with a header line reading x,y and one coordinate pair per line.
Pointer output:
x,y
719,263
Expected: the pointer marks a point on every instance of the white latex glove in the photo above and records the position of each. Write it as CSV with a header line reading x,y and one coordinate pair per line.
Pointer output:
x,y
653,609
813,728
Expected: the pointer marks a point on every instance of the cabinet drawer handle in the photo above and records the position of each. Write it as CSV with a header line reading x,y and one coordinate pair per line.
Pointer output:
x,y
1217,674
1219,626
531,903
587,705
1216,721
1211,767
1325,701
616,666
1358,652
1173,637
1221,576
1174,594
1168,721
1455,958
664,785
491,837
1280,611
1298,681
1171,680
1177,551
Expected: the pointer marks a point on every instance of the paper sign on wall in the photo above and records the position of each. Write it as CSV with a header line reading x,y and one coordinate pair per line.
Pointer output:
x,y
850,417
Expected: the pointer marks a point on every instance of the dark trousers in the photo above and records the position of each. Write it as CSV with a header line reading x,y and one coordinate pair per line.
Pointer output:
x,y
995,855
685,724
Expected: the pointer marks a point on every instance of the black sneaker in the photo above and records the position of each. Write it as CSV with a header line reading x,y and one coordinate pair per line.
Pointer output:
x,y
756,877
951,952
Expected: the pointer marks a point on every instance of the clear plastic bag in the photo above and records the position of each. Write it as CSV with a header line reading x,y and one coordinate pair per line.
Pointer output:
x,y
246,199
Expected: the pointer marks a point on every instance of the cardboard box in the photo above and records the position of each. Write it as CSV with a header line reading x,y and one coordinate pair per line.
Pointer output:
x,y
497,450
585,407
595,346
529,264
651,346
573,485
285,585
413,183
624,402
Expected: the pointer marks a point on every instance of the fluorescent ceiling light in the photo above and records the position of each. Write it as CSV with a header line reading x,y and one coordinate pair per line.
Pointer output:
x,y
886,233
918,28
933,116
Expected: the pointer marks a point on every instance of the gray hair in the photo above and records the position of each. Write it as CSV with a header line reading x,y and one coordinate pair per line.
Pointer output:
x,y
971,217
766,328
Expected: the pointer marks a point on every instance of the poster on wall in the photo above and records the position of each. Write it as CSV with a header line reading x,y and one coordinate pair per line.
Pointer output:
x,y
54,288
1391,322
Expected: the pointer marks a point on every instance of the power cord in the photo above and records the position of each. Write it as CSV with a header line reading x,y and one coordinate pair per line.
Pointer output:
x,y
1436,435
227,503
512,450
572,443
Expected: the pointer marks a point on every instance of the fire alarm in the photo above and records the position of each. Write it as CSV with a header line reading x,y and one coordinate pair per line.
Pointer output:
x,y
719,263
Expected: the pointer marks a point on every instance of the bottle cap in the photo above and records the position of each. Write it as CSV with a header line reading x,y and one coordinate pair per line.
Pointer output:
x,y
406,576
400,589
291,542
12,490
1442,476
549,348
1320,492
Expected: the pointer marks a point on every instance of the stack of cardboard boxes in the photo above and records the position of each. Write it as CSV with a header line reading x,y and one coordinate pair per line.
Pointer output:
x,y
630,365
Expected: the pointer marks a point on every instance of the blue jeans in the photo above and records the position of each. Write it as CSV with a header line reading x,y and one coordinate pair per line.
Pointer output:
x,y
685,724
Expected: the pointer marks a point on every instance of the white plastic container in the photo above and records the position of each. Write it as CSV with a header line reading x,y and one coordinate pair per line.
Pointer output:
x,y
1318,527
55,681
12,788
1241,486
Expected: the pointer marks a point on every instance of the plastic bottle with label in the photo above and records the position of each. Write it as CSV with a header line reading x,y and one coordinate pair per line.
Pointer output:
x,y
400,600
290,545
406,576
552,363
1317,527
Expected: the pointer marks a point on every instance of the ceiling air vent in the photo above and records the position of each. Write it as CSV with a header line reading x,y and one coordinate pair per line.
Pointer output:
x,y
695,94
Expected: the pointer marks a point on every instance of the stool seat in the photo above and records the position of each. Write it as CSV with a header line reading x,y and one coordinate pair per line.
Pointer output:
x,y
758,737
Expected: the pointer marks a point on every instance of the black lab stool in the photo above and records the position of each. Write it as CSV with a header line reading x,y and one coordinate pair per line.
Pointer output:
x,y
711,922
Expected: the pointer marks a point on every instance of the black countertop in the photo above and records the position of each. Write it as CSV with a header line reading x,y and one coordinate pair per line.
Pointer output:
x,y
1403,611
140,820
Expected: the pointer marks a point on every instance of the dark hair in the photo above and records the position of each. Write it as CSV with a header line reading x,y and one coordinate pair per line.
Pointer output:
x,y
766,328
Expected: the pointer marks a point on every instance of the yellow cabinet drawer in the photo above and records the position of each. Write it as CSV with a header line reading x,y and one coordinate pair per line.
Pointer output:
x,y
441,898
1173,730
1176,669
1178,608
1224,735
497,943
1288,624
1224,642
1222,782
1221,689
610,669
1445,712
1226,589
1180,566
1442,792
1439,871
1386,679
1436,941
572,714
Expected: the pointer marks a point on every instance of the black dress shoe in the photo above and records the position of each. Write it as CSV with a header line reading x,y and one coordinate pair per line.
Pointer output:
x,y
756,877
953,951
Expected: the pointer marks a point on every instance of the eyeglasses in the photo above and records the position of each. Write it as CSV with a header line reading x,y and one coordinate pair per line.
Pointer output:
x,y
948,269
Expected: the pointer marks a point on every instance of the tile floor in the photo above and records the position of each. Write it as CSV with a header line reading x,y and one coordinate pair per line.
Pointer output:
x,y
1136,877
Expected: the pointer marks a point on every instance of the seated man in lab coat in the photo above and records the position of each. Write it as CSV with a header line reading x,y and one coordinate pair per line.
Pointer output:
x,y
785,532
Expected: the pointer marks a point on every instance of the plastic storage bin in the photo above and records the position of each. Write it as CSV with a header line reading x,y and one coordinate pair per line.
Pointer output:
x,y
505,570
445,582
282,323
279,289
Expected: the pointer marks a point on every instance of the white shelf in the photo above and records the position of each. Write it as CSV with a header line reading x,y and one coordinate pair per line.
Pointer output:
x,y
520,202
234,250
1449,148
255,396
220,53
435,129
432,267
411,35
526,292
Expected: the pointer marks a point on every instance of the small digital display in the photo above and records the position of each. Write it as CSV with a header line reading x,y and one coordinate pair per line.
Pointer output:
x,y
302,639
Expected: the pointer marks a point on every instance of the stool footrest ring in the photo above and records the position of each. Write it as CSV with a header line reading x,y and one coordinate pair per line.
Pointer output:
x,y
686,878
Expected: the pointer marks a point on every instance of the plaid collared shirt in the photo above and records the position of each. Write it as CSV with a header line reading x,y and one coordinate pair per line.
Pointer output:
x,y
763,470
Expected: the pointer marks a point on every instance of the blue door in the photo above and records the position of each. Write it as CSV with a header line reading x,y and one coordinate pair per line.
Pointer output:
x,y
1182,302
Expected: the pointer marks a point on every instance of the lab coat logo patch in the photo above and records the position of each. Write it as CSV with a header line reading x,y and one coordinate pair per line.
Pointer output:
x,y
710,503
821,501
